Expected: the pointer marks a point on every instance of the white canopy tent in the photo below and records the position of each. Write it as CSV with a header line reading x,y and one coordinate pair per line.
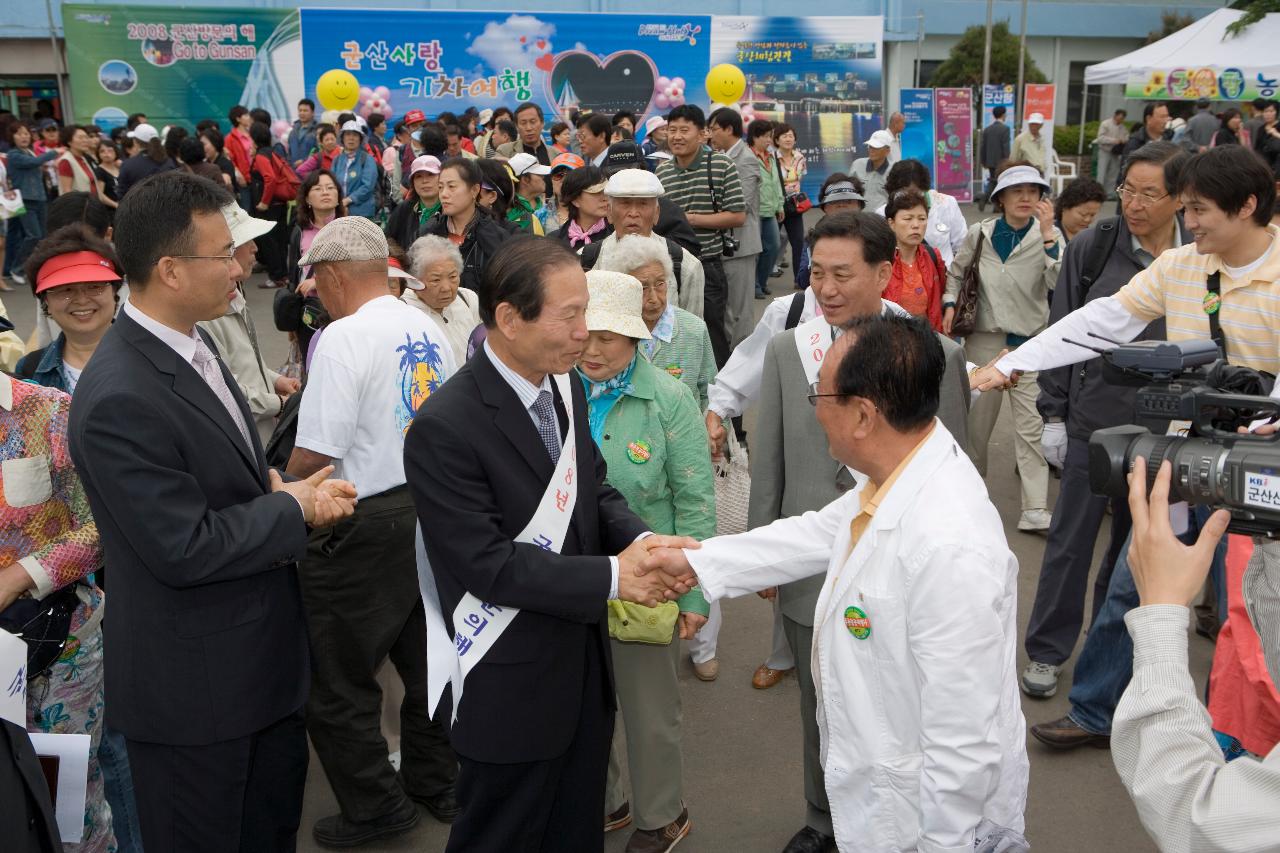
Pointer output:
x,y
1204,44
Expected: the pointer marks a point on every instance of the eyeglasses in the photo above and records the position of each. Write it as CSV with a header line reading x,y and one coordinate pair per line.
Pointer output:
x,y
814,395
67,292
226,259
659,287
1140,199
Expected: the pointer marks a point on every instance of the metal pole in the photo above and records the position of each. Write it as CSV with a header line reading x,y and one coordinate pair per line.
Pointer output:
x,y
1020,105
986,53
1084,111
919,44
63,96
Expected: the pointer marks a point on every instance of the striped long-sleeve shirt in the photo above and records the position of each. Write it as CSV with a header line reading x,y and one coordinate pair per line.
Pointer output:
x,y
1189,799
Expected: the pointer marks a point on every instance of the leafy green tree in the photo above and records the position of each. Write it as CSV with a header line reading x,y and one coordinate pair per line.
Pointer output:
x,y
1254,10
964,66
1170,23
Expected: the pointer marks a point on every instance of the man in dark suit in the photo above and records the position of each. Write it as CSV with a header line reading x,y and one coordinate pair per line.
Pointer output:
x,y
994,150
533,727
208,665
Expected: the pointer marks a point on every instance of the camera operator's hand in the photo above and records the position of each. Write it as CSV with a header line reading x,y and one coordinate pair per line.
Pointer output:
x,y
1165,570
990,378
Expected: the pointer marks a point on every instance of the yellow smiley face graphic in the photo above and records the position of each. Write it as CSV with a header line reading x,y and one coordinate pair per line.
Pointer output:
x,y
337,90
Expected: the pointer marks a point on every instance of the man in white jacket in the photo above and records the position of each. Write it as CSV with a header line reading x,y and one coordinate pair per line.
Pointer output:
x,y
923,742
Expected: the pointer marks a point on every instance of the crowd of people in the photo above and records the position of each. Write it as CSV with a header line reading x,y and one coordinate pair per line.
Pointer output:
x,y
519,358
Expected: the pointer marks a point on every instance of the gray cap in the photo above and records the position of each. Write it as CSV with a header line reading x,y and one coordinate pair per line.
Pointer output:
x,y
347,238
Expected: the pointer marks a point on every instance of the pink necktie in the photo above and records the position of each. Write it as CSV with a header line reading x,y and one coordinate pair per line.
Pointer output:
x,y
206,363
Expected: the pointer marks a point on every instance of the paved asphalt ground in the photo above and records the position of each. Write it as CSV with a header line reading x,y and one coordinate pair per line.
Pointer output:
x,y
742,767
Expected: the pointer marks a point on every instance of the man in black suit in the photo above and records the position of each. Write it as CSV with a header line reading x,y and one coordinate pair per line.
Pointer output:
x,y
208,665
993,149
533,726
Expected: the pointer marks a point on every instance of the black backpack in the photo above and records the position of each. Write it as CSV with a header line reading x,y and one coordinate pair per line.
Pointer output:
x,y
591,256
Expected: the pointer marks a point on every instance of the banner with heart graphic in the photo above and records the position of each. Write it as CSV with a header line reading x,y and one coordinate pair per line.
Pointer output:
x,y
438,61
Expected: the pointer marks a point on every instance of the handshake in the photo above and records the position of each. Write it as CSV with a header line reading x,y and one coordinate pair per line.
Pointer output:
x,y
653,570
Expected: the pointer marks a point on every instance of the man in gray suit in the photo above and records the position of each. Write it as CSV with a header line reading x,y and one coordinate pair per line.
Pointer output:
x,y
792,471
994,150
726,137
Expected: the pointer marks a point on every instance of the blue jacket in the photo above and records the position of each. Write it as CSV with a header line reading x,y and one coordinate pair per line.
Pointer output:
x,y
44,366
24,173
357,177
302,140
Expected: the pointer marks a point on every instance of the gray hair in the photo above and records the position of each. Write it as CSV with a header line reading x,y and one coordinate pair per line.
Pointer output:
x,y
634,251
429,250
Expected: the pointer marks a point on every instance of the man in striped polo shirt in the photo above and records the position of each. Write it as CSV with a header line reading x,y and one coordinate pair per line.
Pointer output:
x,y
705,185
1226,286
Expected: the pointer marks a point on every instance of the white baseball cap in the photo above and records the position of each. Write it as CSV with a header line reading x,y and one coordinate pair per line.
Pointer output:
x,y
484,116
526,164
880,139
1035,118
353,126
143,133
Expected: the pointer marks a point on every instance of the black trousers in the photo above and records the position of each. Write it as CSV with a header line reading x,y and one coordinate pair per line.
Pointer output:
x,y
793,224
360,591
715,294
273,247
543,806
239,795
1058,612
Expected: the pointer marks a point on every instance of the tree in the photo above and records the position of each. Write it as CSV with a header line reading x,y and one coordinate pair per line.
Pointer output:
x,y
1170,23
964,66
1254,11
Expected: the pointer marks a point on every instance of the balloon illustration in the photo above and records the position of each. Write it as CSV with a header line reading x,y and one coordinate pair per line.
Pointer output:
x,y
280,129
337,90
726,83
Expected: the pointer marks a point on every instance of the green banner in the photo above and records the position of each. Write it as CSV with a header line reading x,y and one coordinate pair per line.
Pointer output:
x,y
180,65
1214,83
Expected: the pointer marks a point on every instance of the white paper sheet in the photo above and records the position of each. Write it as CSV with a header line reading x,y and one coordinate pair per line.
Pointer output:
x,y
73,780
13,679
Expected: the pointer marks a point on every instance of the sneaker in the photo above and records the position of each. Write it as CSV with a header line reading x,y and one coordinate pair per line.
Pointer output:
x,y
1034,520
776,272
708,670
18,278
660,840
619,819
1040,680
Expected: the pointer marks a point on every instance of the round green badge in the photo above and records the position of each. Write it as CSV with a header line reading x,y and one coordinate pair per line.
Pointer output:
x,y
1212,302
855,619
639,452
675,370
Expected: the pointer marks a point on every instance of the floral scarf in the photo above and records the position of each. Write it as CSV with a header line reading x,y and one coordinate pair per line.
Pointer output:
x,y
601,396
577,235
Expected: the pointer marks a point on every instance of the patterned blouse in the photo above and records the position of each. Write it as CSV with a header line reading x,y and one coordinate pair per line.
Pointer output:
x,y
45,523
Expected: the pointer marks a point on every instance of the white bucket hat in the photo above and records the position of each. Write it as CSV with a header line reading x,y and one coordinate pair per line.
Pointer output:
x,y
615,304
1019,175
243,226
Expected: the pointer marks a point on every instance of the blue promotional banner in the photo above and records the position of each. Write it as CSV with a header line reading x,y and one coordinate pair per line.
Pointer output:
x,y
998,96
820,75
918,107
436,61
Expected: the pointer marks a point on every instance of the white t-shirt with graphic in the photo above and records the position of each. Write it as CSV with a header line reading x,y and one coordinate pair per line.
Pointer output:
x,y
369,374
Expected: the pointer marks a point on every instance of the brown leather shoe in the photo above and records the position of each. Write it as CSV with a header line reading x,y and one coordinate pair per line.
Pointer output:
x,y
619,819
1065,734
708,670
660,840
765,677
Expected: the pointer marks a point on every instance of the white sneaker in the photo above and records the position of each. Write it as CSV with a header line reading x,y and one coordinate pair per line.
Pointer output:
x,y
1033,520
1040,680
18,277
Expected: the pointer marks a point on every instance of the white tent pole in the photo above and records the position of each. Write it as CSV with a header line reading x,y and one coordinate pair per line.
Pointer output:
x,y
1084,111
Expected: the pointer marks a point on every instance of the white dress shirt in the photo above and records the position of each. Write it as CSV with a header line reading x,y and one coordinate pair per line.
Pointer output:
x,y
528,394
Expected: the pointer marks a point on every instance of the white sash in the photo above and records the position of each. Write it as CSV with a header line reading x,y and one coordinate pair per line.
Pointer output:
x,y
477,625
813,339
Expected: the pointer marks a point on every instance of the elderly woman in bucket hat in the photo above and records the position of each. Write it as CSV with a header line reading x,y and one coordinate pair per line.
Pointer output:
x,y
1018,256
650,432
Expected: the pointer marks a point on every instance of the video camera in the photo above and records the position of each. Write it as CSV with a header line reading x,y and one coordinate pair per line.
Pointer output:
x,y
1213,465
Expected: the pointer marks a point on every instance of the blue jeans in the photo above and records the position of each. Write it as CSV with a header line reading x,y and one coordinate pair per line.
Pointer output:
x,y
33,232
14,240
113,758
770,243
1106,662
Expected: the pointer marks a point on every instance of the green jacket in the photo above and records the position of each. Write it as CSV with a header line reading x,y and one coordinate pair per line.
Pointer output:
x,y
770,188
655,444
687,356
